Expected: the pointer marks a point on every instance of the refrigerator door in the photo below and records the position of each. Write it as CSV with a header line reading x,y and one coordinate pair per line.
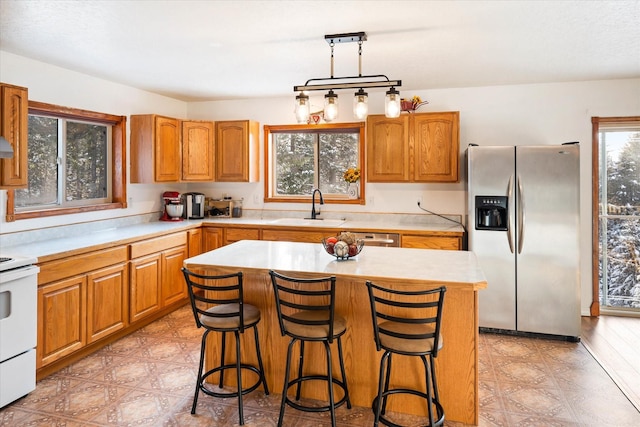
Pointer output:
x,y
491,173
548,292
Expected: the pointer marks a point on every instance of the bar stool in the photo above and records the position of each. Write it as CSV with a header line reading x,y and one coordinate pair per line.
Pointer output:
x,y
306,312
407,322
218,306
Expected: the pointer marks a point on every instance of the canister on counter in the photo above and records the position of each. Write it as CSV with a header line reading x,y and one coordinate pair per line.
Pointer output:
x,y
236,208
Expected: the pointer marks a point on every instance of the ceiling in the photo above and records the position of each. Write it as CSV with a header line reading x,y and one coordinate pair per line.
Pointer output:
x,y
217,50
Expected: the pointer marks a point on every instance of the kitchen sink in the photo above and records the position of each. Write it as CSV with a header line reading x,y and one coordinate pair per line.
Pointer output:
x,y
308,222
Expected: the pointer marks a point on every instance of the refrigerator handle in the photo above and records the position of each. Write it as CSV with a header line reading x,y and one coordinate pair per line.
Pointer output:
x,y
521,215
510,216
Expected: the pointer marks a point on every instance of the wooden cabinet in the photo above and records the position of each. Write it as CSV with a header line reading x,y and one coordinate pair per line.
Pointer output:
x,y
453,243
14,118
155,277
387,149
156,155
107,301
81,299
308,236
237,234
211,238
421,147
237,151
197,150
61,319
194,241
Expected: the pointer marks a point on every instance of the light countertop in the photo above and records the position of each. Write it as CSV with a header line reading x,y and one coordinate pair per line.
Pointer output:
x,y
77,242
450,268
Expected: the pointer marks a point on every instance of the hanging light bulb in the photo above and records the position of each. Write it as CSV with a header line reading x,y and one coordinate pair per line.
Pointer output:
x,y
302,110
392,103
360,105
330,106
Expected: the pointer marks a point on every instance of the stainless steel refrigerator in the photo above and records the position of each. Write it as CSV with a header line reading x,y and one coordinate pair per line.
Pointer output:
x,y
523,227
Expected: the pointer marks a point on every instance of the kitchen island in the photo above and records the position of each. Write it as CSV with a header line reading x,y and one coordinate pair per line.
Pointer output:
x,y
457,363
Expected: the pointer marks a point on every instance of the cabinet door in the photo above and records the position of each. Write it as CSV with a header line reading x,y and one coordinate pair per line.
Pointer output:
x,y
14,119
62,319
107,301
387,149
212,238
197,151
167,150
194,241
174,287
144,286
237,151
436,147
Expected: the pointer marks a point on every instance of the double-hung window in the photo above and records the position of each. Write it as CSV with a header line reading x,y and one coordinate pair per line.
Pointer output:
x,y
301,158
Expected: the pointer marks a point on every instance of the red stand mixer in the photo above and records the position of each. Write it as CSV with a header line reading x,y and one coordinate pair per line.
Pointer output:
x,y
172,206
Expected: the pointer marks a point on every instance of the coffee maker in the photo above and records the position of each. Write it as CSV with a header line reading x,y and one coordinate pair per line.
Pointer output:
x,y
193,205
172,207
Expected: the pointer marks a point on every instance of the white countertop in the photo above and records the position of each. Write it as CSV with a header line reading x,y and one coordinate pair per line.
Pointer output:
x,y
85,240
450,268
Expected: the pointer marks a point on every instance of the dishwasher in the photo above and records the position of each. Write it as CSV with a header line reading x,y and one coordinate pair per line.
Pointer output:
x,y
391,240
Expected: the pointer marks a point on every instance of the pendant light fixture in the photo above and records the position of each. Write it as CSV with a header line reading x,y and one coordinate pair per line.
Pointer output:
x,y
302,108
359,82
360,104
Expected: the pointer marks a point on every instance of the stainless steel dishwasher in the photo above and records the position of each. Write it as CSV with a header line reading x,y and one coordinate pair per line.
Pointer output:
x,y
380,239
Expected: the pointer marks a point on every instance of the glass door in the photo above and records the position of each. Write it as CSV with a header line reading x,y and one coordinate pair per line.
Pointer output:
x,y
619,218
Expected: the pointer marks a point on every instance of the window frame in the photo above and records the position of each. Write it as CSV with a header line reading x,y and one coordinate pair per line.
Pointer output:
x,y
118,162
332,128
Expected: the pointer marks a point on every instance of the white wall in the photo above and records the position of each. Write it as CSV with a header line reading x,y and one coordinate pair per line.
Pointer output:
x,y
498,115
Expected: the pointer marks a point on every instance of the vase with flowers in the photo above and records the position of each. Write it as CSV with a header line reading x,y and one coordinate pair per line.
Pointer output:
x,y
352,176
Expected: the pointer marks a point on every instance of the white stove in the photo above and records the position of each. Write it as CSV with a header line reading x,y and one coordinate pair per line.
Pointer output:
x,y
18,326
10,262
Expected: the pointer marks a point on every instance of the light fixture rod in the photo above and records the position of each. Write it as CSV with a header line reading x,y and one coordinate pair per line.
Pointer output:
x,y
346,37
331,83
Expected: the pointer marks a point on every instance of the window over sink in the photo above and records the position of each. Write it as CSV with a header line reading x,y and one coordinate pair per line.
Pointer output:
x,y
301,158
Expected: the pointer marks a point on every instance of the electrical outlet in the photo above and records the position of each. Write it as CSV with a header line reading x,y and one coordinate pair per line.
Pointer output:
x,y
370,200
256,199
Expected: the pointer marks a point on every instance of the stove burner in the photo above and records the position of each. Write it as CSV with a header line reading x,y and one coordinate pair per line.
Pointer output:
x,y
5,258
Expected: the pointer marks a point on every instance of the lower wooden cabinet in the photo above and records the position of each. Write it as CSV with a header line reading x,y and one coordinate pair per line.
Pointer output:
x,y
156,280
79,310
305,236
212,238
236,234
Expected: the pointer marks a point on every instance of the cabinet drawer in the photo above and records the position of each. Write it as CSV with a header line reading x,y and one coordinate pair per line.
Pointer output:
x,y
235,234
431,242
296,236
67,267
157,244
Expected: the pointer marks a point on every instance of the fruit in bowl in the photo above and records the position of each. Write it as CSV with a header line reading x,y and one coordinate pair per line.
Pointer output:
x,y
343,246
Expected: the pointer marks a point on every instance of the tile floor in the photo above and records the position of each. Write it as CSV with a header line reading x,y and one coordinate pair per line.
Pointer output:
x,y
147,379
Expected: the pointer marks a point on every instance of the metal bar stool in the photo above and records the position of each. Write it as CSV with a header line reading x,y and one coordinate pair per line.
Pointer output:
x,y
218,305
306,312
407,322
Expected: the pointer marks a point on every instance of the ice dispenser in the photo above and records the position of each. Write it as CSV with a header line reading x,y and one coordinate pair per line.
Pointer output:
x,y
491,213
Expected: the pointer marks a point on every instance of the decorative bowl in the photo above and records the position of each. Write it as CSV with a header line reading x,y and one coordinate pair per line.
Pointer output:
x,y
341,249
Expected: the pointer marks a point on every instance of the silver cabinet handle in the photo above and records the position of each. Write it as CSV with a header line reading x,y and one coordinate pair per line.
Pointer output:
x,y
521,216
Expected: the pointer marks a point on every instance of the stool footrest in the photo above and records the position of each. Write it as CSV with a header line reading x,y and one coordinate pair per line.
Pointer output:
x,y
439,418
305,408
244,391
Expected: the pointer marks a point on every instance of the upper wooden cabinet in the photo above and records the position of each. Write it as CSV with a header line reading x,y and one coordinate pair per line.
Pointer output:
x,y
421,147
197,150
14,118
237,151
156,155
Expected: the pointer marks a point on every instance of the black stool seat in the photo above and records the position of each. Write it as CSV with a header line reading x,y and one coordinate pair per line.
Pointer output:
x,y
306,313
218,305
407,322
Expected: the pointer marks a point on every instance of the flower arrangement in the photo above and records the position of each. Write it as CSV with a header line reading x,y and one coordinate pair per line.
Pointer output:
x,y
412,104
352,175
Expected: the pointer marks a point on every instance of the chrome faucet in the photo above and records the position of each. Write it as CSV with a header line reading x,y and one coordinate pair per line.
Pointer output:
x,y
313,203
